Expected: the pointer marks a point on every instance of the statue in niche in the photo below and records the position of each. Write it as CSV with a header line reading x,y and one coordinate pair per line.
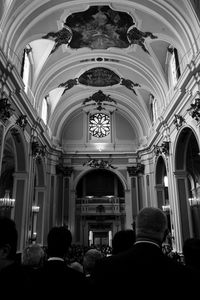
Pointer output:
x,y
60,37
135,36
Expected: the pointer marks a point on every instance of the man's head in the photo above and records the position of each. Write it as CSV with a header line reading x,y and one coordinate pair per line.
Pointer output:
x,y
33,255
59,240
123,240
90,258
151,224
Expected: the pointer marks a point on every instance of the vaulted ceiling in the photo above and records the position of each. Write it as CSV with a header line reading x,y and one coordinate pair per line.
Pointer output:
x,y
121,45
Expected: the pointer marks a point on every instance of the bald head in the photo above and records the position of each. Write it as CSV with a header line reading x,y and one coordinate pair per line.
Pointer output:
x,y
151,223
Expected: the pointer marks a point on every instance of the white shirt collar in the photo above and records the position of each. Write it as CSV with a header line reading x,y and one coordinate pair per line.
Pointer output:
x,y
55,258
148,242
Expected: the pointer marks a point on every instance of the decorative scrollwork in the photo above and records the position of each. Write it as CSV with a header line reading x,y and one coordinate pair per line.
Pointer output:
x,y
38,150
194,110
162,149
99,164
129,84
5,109
136,36
22,121
69,84
178,121
60,37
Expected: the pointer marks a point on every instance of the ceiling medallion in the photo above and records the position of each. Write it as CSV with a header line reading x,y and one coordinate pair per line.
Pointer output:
x,y
99,125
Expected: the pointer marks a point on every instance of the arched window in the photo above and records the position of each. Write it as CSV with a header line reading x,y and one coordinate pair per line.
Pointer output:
x,y
174,66
26,67
44,112
154,108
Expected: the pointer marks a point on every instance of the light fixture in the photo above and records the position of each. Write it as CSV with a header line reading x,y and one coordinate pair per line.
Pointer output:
x,y
165,181
166,208
35,209
6,201
194,201
100,146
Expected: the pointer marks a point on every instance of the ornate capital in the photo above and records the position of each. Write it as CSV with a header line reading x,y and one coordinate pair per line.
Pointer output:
x,y
134,171
65,171
5,109
162,149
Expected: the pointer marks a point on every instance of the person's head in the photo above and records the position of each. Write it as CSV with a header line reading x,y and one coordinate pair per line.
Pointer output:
x,y
90,258
123,240
8,238
191,252
58,241
151,224
33,256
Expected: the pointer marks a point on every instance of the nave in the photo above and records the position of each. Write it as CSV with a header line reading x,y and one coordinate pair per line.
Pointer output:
x,y
99,117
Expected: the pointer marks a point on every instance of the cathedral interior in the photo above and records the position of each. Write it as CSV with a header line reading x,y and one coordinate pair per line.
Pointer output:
x,y
99,116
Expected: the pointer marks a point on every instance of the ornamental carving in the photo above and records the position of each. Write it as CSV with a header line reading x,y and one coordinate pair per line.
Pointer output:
x,y
135,170
65,171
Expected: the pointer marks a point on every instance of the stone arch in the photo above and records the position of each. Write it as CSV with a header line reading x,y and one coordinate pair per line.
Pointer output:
x,y
14,174
187,174
99,203
117,173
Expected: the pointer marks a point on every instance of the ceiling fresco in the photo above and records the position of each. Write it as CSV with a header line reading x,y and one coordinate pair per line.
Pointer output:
x,y
99,27
99,77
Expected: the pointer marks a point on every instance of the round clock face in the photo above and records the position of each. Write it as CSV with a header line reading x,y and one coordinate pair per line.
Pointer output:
x,y
99,125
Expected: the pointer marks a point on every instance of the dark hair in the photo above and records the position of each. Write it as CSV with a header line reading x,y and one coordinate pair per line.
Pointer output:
x,y
59,240
123,240
8,236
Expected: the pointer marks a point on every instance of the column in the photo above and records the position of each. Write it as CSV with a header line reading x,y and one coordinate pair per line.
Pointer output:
x,y
72,211
21,210
128,209
181,208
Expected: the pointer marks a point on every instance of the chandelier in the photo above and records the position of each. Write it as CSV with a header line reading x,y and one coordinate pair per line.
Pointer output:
x,y
6,201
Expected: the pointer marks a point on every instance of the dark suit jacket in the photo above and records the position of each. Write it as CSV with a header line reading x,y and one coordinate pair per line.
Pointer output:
x,y
57,280
143,270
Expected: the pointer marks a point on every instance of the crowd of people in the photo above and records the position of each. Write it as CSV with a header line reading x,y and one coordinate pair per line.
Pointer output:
x,y
136,263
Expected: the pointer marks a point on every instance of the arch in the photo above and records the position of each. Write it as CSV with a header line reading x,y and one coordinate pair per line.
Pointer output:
x,y
84,172
160,170
182,143
187,173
